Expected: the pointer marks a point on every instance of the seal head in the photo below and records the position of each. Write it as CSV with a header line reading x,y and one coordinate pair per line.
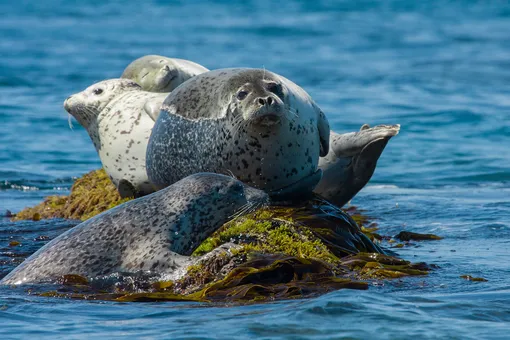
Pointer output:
x,y
86,106
157,73
261,102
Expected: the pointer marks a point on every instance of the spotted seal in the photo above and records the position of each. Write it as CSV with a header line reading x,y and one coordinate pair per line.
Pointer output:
x,y
116,114
156,73
351,161
155,233
259,126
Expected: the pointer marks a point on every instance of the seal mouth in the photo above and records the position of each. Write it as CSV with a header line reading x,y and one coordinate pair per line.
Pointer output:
x,y
267,119
255,196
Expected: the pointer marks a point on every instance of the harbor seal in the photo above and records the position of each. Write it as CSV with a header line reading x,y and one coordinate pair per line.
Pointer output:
x,y
351,161
155,233
156,73
259,126
117,116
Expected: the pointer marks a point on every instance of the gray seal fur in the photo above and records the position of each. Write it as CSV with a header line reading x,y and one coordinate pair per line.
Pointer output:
x,y
259,126
351,161
155,233
156,73
117,116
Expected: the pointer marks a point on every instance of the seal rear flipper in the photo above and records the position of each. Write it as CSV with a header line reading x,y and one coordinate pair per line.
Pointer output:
x,y
127,189
352,161
362,168
353,143
366,161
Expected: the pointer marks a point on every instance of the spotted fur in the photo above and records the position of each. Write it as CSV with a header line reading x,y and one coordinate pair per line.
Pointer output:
x,y
155,233
156,73
116,114
270,138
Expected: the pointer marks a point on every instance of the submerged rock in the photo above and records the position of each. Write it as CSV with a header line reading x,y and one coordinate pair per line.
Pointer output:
x,y
409,236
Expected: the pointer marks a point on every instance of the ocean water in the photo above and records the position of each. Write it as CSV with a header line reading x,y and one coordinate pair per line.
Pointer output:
x,y
439,68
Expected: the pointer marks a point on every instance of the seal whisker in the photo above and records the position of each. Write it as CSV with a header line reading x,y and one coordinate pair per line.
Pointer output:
x,y
231,174
293,112
242,210
237,125
69,121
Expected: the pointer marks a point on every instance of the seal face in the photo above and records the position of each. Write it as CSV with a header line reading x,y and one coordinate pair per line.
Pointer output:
x,y
117,116
154,233
255,124
156,73
351,161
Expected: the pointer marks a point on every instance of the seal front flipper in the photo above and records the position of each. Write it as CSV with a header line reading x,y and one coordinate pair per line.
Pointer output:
x,y
153,107
127,189
351,161
298,191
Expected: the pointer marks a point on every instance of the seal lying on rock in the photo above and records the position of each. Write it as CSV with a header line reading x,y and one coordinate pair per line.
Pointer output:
x,y
257,125
154,233
351,161
116,114
156,73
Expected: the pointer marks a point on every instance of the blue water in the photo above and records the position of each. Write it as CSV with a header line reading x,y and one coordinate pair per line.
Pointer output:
x,y
439,68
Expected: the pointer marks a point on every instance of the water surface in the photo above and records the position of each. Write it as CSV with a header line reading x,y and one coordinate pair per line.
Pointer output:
x,y
440,69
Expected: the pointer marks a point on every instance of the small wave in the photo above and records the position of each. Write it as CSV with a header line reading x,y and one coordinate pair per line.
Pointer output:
x,y
382,186
62,184
8,185
499,176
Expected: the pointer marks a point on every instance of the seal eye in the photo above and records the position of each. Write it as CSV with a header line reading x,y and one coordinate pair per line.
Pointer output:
x,y
241,95
97,91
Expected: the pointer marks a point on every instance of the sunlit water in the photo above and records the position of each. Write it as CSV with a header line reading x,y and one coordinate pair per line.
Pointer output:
x,y
440,69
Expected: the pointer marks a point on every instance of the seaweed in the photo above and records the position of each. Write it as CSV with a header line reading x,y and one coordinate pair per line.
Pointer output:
x,y
90,195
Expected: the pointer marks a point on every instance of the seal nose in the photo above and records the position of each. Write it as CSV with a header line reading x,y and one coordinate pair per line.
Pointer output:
x,y
265,101
66,103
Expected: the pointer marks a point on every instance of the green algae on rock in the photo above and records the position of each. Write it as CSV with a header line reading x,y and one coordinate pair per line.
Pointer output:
x,y
90,195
